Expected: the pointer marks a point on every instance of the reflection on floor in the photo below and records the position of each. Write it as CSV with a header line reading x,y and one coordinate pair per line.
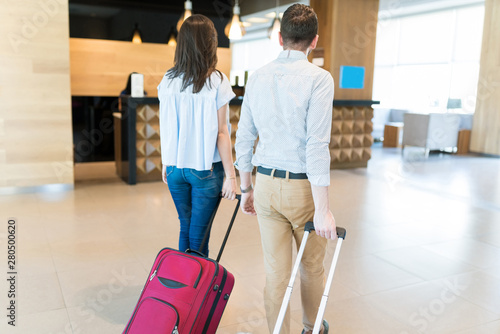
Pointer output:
x,y
422,253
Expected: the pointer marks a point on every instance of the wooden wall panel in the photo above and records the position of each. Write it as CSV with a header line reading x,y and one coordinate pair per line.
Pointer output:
x,y
101,67
36,143
347,36
324,10
351,141
485,136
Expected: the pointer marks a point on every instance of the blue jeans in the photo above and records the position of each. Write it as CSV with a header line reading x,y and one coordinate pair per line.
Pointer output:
x,y
195,194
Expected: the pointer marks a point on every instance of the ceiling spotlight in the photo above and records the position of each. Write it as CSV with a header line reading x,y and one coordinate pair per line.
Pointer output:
x,y
137,37
172,40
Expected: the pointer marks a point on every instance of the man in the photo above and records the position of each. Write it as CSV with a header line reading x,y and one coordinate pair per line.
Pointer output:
x,y
288,105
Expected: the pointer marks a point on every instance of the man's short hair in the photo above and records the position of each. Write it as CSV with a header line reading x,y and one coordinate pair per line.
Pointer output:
x,y
299,26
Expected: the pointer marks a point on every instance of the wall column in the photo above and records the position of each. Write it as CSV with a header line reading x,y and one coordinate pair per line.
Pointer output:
x,y
347,36
485,136
36,145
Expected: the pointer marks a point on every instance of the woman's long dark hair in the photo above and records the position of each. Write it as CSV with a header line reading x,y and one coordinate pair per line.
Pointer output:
x,y
196,53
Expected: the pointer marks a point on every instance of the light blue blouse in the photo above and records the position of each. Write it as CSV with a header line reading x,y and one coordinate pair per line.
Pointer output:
x,y
189,123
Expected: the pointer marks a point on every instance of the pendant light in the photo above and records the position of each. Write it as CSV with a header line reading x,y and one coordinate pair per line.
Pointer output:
x,y
137,38
188,7
234,29
172,39
275,27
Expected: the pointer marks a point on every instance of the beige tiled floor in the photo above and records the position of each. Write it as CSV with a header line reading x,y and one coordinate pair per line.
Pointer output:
x,y
422,253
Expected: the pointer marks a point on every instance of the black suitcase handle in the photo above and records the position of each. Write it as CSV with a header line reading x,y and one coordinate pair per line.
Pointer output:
x,y
238,199
341,232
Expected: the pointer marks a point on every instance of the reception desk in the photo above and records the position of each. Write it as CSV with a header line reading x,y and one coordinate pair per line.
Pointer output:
x,y
352,126
137,136
137,140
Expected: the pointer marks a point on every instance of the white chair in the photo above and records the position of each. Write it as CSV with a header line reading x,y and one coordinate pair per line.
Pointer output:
x,y
436,131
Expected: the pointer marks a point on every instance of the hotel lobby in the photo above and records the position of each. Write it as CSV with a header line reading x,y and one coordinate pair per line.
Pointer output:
x,y
81,180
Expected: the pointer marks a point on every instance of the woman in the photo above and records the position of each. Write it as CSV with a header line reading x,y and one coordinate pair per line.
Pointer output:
x,y
195,142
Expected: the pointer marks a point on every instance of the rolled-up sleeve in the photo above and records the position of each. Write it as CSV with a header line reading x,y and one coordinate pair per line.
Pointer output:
x,y
319,124
245,136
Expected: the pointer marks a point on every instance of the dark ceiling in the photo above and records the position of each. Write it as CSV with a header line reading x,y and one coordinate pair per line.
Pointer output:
x,y
115,19
156,19
206,7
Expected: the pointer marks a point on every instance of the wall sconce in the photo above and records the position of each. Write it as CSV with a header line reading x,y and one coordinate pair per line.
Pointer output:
x,y
188,7
275,27
137,36
234,29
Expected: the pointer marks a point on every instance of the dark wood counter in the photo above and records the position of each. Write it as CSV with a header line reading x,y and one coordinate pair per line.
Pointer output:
x,y
351,140
354,103
352,127
137,136
137,140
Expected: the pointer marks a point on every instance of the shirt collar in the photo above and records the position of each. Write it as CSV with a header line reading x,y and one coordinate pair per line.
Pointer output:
x,y
292,54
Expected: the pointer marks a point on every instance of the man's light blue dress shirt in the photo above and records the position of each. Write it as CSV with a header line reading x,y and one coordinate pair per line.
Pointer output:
x,y
288,104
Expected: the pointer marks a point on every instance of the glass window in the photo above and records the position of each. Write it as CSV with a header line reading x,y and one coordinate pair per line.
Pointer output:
x,y
386,52
423,60
383,85
421,87
426,38
251,55
469,32
463,84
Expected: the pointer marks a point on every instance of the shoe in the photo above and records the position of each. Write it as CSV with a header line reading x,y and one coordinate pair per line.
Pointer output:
x,y
326,328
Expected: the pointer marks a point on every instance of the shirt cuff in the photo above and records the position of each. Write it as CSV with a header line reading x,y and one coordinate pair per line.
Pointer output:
x,y
319,180
245,167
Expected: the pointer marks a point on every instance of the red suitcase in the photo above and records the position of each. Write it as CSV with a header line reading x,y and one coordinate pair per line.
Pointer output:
x,y
185,293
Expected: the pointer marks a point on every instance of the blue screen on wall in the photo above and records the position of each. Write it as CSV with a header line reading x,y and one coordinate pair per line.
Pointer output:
x,y
352,77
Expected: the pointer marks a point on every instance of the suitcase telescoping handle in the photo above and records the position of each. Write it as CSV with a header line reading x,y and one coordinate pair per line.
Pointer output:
x,y
238,200
341,232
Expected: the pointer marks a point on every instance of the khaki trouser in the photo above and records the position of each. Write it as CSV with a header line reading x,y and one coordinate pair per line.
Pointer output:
x,y
283,207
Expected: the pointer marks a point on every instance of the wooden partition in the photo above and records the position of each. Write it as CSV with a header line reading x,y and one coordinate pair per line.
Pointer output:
x,y
101,67
351,141
36,144
137,138
485,136
347,36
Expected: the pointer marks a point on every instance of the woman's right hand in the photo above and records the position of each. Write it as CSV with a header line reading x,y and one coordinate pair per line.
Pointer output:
x,y
229,188
164,174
